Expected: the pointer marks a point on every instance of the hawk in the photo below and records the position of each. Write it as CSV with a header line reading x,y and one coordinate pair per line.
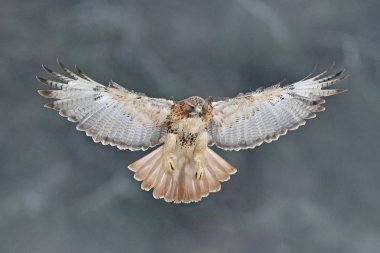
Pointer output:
x,y
184,169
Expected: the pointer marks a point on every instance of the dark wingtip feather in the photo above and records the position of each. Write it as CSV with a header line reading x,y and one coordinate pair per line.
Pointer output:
x,y
45,93
67,70
63,78
47,69
339,73
40,79
82,73
61,64
43,80
344,77
308,76
340,76
49,105
338,91
78,69
331,79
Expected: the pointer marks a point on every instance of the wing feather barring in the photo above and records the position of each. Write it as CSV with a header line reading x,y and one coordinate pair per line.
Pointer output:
x,y
183,168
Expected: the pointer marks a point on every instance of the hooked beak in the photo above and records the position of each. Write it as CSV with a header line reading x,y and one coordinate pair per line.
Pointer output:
x,y
198,110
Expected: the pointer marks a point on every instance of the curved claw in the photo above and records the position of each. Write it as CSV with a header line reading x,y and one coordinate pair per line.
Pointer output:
x,y
200,171
169,165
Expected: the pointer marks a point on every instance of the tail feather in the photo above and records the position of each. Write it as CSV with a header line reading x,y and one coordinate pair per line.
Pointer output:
x,y
161,185
181,186
223,165
216,173
150,181
204,188
196,191
169,190
143,166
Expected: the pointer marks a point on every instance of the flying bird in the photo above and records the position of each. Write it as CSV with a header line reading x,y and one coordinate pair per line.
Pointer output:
x,y
183,169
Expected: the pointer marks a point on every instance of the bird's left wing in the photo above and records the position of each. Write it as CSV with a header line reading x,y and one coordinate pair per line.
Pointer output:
x,y
248,120
109,114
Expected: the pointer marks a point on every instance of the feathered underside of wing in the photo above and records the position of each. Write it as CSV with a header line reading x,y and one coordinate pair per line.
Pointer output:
x,y
250,119
109,114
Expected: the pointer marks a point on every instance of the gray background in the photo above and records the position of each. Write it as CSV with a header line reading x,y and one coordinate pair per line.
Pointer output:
x,y
315,190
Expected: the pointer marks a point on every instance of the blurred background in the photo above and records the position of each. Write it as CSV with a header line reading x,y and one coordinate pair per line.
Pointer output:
x,y
315,190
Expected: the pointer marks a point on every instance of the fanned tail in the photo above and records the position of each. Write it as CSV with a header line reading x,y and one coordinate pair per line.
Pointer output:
x,y
181,186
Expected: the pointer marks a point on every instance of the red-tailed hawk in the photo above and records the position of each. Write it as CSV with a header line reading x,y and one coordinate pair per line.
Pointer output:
x,y
184,169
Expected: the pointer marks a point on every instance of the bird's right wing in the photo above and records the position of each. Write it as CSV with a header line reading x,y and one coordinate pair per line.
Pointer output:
x,y
248,120
109,114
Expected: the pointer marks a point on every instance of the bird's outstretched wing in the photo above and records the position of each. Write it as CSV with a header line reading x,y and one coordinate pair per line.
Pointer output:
x,y
109,114
248,120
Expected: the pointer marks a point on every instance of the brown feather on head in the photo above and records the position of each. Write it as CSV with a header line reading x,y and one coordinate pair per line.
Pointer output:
x,y
194,106
207,108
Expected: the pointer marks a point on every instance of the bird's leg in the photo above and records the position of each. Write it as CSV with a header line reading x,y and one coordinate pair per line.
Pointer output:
x,y
169,159
169,164
199,169
200,147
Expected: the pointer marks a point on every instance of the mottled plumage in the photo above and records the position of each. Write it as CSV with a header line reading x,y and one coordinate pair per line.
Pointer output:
x,y
184,168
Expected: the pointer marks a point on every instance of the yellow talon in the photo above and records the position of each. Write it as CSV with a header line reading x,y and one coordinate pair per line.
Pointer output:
x,y
200,171
199,174
169,165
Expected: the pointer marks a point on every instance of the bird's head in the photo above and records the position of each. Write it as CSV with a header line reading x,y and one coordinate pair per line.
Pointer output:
x,y
194,106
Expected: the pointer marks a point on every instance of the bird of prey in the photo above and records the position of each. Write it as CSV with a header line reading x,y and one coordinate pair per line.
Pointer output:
x,y
184,169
